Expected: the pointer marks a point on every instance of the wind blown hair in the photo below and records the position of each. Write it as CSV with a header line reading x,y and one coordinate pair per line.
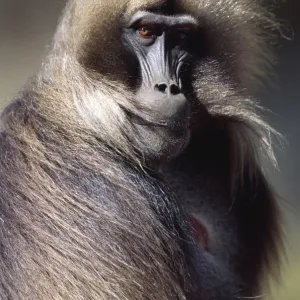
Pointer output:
x,y
70,129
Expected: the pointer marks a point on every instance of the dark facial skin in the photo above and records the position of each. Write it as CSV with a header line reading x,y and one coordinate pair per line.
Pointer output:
x,y
163,52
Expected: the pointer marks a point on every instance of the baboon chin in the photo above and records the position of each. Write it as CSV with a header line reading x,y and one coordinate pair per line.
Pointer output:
x,y
129,165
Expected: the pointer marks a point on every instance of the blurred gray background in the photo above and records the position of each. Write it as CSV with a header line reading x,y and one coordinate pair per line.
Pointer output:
x,y
26,29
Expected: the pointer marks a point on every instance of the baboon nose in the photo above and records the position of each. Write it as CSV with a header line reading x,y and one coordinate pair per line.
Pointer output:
x,y
172,89
162,87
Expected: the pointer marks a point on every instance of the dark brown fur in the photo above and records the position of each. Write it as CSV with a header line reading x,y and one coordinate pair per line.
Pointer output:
x,y
80,215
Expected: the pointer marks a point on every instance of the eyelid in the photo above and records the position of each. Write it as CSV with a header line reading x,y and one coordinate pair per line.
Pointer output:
x,y
142,23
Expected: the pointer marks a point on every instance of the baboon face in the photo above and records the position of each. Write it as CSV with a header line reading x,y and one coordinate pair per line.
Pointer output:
x,y
162,51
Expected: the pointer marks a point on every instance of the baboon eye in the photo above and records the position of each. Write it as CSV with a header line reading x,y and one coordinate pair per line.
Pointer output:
x,y
146,32
182,35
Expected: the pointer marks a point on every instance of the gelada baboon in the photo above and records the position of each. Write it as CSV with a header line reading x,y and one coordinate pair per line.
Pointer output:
x,y
129,166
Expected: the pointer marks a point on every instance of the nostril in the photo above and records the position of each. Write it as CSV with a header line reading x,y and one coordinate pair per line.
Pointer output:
x,y
174,89
162,87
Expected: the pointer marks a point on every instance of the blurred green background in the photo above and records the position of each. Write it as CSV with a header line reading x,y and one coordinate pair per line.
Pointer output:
x,y
26,29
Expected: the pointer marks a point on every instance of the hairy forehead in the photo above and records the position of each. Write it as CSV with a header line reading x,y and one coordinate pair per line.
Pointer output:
x,y
134,6
158,18
137,5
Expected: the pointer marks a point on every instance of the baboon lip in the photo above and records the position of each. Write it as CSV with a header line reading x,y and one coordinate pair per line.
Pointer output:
x,y
173,123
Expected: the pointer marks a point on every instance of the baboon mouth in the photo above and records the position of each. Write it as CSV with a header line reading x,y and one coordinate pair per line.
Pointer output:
x,y
173,123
